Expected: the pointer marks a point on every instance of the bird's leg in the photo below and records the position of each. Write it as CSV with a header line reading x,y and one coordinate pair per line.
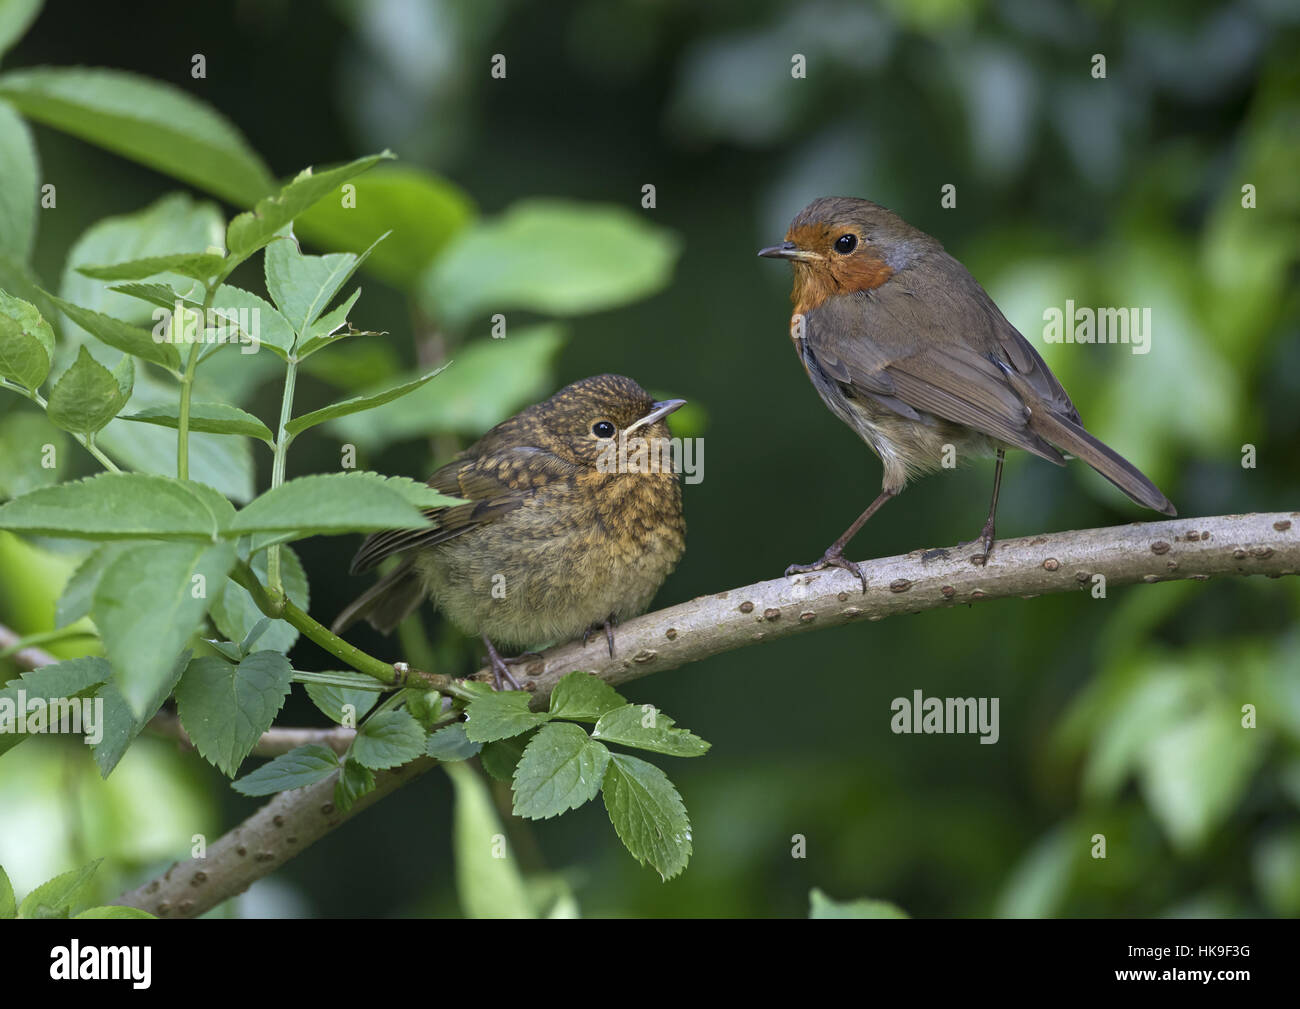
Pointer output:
x,y
609,624
834,556
986,534
501,667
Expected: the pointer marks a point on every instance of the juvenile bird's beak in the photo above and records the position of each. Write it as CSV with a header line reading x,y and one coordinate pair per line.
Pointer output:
x,y
660,411
787,250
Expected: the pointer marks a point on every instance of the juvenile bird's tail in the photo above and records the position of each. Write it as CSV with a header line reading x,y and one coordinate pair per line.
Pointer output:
x,y
386,603
1071,437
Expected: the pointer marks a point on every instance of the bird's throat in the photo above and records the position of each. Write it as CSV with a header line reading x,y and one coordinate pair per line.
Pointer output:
x,y
815,282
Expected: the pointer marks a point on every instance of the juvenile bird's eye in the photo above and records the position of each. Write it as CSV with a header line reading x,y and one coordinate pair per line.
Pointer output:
x,y
602,429
846,244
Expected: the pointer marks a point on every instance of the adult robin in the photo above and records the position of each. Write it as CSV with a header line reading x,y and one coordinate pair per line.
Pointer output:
x,y
570,522
905,347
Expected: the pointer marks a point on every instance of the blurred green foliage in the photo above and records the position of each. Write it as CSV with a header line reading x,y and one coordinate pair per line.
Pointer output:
x,y
1121,717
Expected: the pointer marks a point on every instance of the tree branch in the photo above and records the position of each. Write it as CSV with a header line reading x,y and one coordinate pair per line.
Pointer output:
x,y
1198,549
273,742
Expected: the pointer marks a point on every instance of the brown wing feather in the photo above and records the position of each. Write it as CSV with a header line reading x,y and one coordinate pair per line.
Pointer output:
x,y
902,354
492,485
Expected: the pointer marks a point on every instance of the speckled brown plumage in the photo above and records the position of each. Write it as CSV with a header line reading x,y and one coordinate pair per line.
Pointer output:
x,y
547,544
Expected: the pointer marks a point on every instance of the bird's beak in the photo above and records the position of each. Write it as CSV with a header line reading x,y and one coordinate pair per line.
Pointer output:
x,y
660,411
787,250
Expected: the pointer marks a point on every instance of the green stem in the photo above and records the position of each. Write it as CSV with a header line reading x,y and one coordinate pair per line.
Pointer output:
x,y
44,638
282,440
187,387
85,441
281,608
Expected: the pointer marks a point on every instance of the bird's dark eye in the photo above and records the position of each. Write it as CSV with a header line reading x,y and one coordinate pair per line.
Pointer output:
x,y
602,429
846,244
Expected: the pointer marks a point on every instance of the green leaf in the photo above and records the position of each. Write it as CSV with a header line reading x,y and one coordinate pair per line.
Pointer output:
x,y
8,906
1195,774
322,332
20,170
16,16
358,403
122,335
113,911
159,295
822,906
142,639
74,602
647,814
561,769
26,342
303,286
646,728
583,697
332,699
431,209
489,886
355,780
143,119
552,256
173,224
490,381
500,715
211,418
88,395
235,613
54,899
254,316
298,768
34,451
120,506
201,266
68,679
501,757
226,708
250,231
451,743
388,739
334,503
121,726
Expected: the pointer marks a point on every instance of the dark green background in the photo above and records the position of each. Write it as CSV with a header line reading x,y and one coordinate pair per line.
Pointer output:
x,y
1110,192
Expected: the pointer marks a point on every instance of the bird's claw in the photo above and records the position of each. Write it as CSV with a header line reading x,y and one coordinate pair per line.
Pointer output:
x,y
831,559
986,540
608,624
501,666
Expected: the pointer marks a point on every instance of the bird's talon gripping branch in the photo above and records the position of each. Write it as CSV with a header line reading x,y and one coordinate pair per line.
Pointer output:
x,y
831,559
501,667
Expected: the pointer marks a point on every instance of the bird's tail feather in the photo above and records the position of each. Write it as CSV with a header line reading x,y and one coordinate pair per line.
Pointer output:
x,y
1066,434
386,603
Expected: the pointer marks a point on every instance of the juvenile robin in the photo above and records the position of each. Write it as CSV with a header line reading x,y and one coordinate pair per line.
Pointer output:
x,y
906,348
560,532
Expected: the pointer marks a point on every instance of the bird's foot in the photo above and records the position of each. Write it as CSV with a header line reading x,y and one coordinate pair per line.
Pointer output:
x,y
501,666
609,623
831,559
986,541
937,554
